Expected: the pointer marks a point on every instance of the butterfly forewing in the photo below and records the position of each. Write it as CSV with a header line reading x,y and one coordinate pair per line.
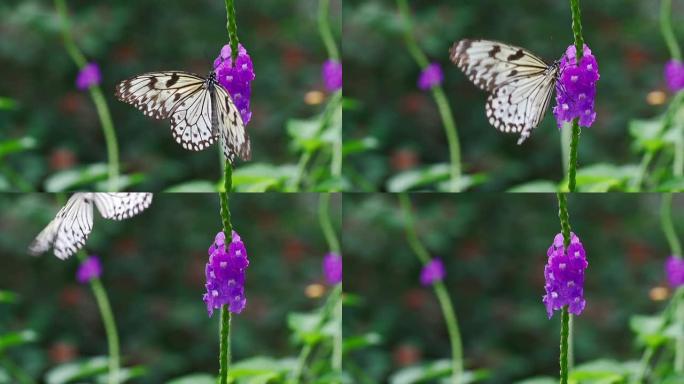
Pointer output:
x,y
119,206
157,94
520,83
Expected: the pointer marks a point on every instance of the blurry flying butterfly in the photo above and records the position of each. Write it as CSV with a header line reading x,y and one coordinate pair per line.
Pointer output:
x,y
519,83
200,109
68,231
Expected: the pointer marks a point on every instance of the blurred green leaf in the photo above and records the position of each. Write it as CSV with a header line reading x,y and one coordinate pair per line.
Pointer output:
x,y
125,375
124,182
259,177
604,177
538,380
77,370
73,178
7,104
195,378
259,366
429,372
357,146
360,342
195,186
603,371
8,147
12,339
648,329
305,133
8,297
415,178
306,326
672,185
647,134
538,186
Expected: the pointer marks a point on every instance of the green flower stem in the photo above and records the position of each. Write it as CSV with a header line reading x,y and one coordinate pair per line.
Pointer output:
x,y
109,325
231,26
336,162
565,339
579,47
438,94
667,31
326,223
97,96
301,170
325,30
224,347
440,291
667,225
565,137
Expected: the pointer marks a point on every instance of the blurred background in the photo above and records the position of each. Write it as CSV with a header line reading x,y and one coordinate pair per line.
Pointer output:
x,y
402,125
494,250
58,128
154,275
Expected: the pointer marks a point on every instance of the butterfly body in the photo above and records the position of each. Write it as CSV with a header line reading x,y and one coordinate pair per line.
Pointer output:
x,y
520,83
200,109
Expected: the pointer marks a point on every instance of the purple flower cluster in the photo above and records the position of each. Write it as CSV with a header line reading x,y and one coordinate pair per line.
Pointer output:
x,y
88,76
576,88
564,275
332,268
332,75
674,75
90,268
431,76
236,79
674,269
225,274
432,272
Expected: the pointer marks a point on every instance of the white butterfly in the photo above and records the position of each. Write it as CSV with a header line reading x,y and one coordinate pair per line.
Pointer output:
x,y
520,83
68,231
200,109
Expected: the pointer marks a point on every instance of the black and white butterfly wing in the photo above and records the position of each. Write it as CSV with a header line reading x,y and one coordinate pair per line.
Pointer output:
x,y
233,136
121,205
68,231
179,96
520,83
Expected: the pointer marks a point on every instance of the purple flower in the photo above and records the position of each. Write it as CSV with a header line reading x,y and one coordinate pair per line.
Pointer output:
x,y
432,272
88,76
332,268
564,275
674,269
89,269
576,88
332,75
236,79
430,76
674,75
225,274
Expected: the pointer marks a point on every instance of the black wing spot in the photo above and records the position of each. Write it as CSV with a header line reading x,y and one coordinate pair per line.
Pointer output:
x,y
517,55
495,49
173,80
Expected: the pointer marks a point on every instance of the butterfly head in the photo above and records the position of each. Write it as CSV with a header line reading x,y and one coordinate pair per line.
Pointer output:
x,y
211,80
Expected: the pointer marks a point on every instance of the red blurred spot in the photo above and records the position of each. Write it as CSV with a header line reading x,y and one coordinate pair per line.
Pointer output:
x,y
404,159
638,253
70,296
412,102
62,352
636,57
125,53
70,102
415,298
406,354
294,250
126,246
293,58
62,158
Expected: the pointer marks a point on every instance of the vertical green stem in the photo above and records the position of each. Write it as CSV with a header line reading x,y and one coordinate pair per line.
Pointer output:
x,y
325,30
667,30
326,223
224,352
667,225
97,96
579,47
109,325
440,291
231,26
440,99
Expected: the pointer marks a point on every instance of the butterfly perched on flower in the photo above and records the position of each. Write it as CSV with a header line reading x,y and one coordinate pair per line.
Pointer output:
x,y
519,83
68,231
200,109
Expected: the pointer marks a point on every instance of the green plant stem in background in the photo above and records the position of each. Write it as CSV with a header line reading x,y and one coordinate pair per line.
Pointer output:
x,y
15,371
325,30
109,324
440,290
667,225
565,340
326,223
224,332
579,48
667,31
440,98
97,96
231,26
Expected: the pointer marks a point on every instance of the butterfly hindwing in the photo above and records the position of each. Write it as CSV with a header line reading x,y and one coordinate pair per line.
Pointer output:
x,y
520,83
234,139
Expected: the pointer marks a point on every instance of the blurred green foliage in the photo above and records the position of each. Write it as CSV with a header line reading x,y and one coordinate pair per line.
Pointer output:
x,y
404,122
39,101
154,275
494,249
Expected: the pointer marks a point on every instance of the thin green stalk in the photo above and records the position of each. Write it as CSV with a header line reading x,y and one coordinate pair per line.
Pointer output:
x,y
337,342
231,26
564,217
440,99
679,347
109,325
97,96
667,225
565,137
328,113
565,320
326,223
15,371
440,291
579,47
224,340
667,30
301,169
325,30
